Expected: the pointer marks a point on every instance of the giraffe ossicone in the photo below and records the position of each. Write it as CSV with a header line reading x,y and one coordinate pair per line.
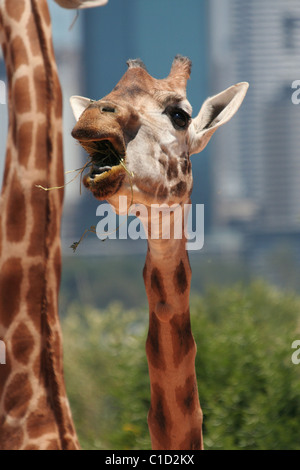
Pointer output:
x,y
139,139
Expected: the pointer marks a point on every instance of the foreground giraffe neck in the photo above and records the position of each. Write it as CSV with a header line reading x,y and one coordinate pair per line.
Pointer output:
x,y
34,411
175,416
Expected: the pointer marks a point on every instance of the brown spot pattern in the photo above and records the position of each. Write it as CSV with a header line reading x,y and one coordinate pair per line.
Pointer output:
x,y
38,206
159,417
180,279
153,343
19,53
21,95
185,164
172,171
24,142
10,287
58,97
15,9
157,285
16,212
11,437
178,189
41,148
22,343
18,395
57,266
187,396
182,338
41,421
40,88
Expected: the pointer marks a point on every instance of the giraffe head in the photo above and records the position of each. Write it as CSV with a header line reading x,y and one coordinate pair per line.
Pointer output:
x,y
141,135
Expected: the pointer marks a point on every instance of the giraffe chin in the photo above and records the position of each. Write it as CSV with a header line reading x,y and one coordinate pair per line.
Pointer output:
x,y
105,184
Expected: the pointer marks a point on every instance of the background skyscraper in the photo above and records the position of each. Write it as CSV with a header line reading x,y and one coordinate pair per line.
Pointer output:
x,y
257,163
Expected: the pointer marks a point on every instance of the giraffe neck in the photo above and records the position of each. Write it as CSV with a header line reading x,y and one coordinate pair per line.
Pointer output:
x,y
34,411
175,417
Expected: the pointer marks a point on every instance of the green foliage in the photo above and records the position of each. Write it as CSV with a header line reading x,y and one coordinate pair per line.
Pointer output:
x,y
249,388
107,376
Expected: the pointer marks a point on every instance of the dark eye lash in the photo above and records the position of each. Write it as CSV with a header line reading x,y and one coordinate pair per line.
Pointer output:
x,y
174,109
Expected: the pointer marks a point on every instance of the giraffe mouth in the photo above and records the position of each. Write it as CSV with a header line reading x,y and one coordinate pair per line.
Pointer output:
x,y
105,160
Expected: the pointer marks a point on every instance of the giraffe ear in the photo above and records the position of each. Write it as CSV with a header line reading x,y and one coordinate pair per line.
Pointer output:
x,y
78,105
215,112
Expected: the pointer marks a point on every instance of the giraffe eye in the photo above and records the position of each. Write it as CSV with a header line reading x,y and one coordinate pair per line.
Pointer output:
x,y
180,119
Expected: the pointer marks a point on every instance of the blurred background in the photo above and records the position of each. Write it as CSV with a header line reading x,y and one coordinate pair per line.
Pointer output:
x,y
246,279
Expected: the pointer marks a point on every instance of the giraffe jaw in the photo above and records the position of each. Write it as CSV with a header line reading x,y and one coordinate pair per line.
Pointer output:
x,y
107,170
94,177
